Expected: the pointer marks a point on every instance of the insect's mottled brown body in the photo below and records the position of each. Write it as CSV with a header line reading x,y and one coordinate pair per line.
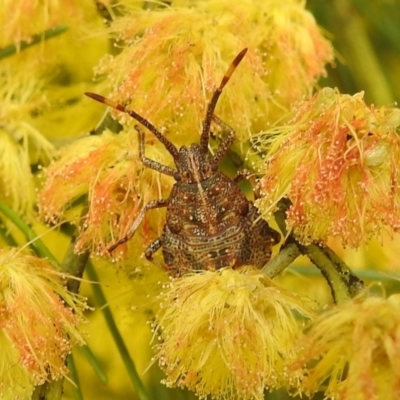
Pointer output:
x,y
210,223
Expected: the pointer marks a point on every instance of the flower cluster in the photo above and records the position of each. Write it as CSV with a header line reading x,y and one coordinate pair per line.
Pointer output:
x,y
337,161
228,333
173,58
355,348
39,322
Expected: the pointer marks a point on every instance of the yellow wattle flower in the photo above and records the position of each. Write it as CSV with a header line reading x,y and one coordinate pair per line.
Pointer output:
x,y
337,161
174,56
39,322
352,352
228,333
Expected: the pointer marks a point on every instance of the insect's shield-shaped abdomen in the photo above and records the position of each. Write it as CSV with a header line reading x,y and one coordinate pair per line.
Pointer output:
x,y
193,165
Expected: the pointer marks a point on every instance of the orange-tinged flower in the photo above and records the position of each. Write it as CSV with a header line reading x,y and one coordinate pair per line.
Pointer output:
x,y
39,322
228,333
356,346
107,169
337,161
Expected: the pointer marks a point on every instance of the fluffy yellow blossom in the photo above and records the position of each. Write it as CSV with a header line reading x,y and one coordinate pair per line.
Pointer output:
x,y
21,144
38,323
173,57
228,333
337,161
356,347
107,169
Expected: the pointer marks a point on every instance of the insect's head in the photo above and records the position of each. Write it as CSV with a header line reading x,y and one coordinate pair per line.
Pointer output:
x,y
193,165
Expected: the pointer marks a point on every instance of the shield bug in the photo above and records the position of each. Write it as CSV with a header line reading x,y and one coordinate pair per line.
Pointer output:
x,y
210,223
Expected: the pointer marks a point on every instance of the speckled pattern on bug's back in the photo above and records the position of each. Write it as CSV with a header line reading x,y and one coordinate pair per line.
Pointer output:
x,y
211,224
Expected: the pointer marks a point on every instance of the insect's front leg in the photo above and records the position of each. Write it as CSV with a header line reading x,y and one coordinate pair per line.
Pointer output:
x,y
149,206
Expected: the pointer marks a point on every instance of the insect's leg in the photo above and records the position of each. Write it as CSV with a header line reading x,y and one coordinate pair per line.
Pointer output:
x,y
227,143
152,248
151,163
156,245
151,205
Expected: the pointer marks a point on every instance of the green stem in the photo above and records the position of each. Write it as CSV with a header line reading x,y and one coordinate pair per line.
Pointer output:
x,y
353,283
35,39
98,369
9,239
280,214
119,341
357,50
75,378
287,254
49,391
343,283
35,243
337,278
74,264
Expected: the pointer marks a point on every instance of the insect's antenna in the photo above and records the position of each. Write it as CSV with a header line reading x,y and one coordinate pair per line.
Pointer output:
x,y
168,145
205,134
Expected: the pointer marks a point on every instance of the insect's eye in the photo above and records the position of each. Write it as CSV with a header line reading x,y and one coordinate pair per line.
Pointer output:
x,y
177,176
214,167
